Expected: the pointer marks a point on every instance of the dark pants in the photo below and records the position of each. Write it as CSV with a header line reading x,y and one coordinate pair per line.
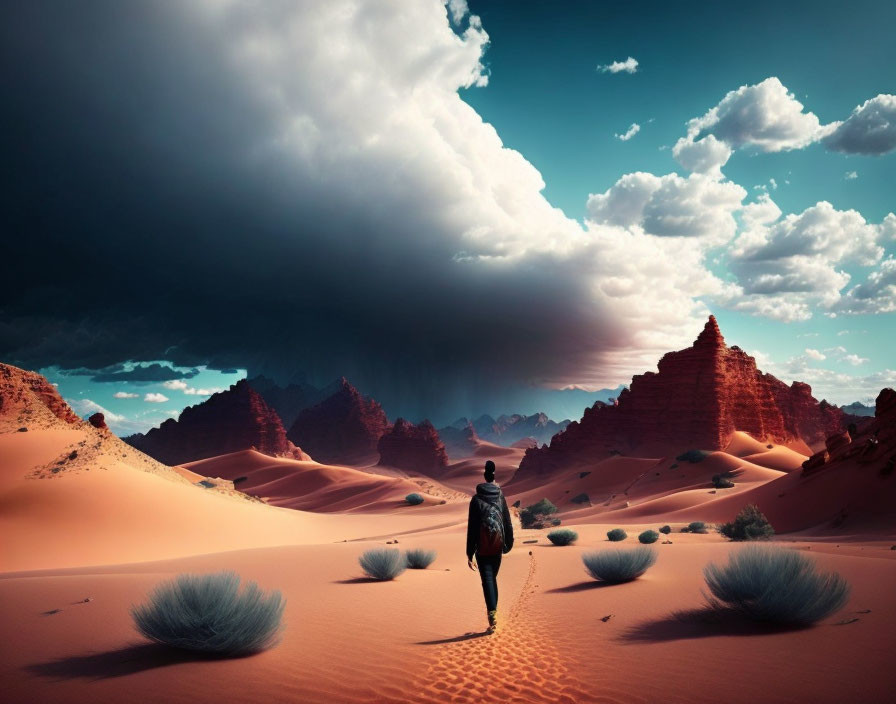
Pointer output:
x,y
488,573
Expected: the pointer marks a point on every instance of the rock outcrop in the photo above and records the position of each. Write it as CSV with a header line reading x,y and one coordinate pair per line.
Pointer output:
x,y
696,400
24,394
344,428
413,447
98,420
229,421
459,441
873,442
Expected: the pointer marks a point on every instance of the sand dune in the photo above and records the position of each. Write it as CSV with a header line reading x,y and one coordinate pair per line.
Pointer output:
x,y
112,504
311,486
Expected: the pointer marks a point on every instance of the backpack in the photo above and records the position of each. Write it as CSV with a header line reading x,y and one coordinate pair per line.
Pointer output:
x,y
491,529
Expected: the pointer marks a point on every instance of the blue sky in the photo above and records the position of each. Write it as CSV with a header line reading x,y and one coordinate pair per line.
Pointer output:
x,y
547,99
449,205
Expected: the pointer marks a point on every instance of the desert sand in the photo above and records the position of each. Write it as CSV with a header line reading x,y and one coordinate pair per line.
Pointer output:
x,y
109,528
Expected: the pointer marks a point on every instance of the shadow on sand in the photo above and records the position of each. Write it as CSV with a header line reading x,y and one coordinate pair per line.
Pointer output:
x,y
360,580
114,663
581,587
706,622
455,639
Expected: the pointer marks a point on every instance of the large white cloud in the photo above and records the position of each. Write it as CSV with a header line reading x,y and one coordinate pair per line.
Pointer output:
x,y
877,294
870,129
765,115
670,206
785,267
435,182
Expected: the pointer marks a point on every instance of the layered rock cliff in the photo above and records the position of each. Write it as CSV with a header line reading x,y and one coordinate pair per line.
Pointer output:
x,y
342,429
698,397
24,395
413,447
229,421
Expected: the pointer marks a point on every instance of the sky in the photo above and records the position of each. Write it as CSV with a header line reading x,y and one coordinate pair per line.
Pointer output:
x,y
453,206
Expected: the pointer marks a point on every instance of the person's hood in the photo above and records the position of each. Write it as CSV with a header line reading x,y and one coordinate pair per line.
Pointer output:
x,y
489,492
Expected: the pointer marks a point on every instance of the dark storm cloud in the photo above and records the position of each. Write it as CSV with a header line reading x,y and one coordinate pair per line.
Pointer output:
x,y
142,374
166,197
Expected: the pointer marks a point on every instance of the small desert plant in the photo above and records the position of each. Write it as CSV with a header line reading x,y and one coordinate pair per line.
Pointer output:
x,y
239,480
544,507
615,566
414,499
420,559
516,504
721,481
750,524
206,484
581,499
695,527
556,521
777,585
649,536
665,530
616,535
382,563
693,456
564,536
527,518
209,614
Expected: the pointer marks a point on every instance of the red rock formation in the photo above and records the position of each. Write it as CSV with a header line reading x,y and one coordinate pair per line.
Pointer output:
x,y
229,421
698,397
342,429
413,447
19,389
98,420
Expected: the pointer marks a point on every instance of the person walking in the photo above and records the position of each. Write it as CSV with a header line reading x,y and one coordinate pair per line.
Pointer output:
x,y
489,536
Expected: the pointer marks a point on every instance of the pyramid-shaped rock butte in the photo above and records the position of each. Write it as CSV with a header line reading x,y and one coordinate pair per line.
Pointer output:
x,y
413,447
229,421
698,397
343,428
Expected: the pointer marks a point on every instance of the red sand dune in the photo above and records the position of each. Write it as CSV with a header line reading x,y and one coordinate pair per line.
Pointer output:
x,y
310,486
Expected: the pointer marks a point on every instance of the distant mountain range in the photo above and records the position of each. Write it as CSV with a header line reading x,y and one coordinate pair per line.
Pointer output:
x,y
858,409
508,429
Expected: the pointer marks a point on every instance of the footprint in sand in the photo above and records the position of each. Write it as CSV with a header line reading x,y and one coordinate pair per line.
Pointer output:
x,y
513,664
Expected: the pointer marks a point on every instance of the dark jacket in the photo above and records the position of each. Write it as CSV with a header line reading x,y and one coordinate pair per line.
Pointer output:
x,y
490,493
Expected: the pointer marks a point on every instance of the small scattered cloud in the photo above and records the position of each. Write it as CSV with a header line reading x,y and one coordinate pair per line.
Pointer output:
x,y
629,133
155,398
815,354
870,129
850,175
180,385
85,407
458,9
125,394
855,360
705,156
630,65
